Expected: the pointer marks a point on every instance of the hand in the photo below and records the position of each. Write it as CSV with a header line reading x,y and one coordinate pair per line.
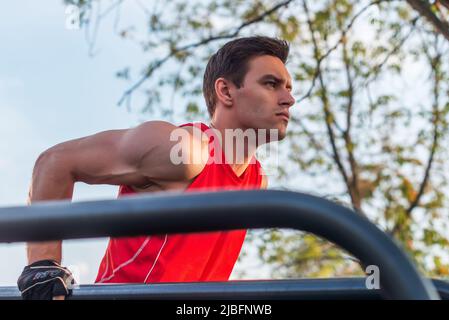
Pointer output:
x,y
45,280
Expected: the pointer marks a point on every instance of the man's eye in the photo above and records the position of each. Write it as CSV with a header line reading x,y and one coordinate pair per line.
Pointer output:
x,y
271,84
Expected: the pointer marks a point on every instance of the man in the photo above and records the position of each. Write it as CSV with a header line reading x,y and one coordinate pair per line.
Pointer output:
x,y
247,88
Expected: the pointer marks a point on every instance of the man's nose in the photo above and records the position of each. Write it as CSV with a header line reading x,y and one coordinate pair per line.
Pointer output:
x,y
287,100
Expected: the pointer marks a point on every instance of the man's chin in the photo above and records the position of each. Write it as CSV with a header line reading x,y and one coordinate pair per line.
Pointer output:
x,y
276,134
281,135
281,131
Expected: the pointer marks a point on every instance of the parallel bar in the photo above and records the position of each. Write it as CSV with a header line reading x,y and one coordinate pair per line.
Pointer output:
x,y
291,289
196,212
232,290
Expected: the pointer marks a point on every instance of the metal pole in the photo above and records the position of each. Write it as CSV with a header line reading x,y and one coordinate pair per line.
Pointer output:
x,y
195,212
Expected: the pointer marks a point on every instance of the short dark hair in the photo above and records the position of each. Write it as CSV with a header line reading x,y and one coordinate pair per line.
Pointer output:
x,y
231,62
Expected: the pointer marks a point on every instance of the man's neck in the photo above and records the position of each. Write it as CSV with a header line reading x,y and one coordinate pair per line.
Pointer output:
x,y
238,148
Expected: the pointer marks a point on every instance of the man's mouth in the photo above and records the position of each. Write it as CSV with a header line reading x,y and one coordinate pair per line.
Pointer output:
x,y
285,115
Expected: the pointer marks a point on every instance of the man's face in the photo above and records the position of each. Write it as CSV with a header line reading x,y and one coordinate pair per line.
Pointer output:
x,y
264,99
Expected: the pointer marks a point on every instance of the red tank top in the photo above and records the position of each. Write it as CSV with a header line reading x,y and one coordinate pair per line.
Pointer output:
x,y
183,257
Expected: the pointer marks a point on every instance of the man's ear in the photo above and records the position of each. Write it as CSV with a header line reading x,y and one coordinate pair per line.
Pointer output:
x,y
223,91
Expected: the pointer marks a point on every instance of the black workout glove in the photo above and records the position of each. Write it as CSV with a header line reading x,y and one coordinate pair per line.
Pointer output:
x,y
45,279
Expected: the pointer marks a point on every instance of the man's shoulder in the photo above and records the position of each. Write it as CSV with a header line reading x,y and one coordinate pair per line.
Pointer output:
x,y
160,126
183,148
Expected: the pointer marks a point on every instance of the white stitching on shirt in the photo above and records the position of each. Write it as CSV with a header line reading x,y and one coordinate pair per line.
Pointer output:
x,y
154,263
127,262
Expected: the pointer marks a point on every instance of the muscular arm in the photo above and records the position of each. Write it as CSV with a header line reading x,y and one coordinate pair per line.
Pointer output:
x,y
135,157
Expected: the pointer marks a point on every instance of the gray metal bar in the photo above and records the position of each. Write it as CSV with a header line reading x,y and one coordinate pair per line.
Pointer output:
x,y
196,212
272,290
286,289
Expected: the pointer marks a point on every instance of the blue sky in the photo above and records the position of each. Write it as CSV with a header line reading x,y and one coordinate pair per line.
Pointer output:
x,y
51,91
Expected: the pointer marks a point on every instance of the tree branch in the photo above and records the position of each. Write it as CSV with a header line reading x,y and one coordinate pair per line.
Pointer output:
x,y
423,7
310,136
347,133
395,49
126,95
92,39
435,63
335,46
327,112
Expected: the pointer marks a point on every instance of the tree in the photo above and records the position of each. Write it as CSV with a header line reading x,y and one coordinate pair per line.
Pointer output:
x,y
436,12
377,149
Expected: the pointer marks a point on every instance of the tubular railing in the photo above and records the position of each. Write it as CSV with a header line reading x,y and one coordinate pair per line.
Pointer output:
x,y
201,212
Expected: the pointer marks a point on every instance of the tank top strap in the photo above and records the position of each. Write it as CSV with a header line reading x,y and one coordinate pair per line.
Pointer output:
x,y
216,154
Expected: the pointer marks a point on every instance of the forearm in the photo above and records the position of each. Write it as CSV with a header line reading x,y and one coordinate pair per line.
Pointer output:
x,y
51,250
51,180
